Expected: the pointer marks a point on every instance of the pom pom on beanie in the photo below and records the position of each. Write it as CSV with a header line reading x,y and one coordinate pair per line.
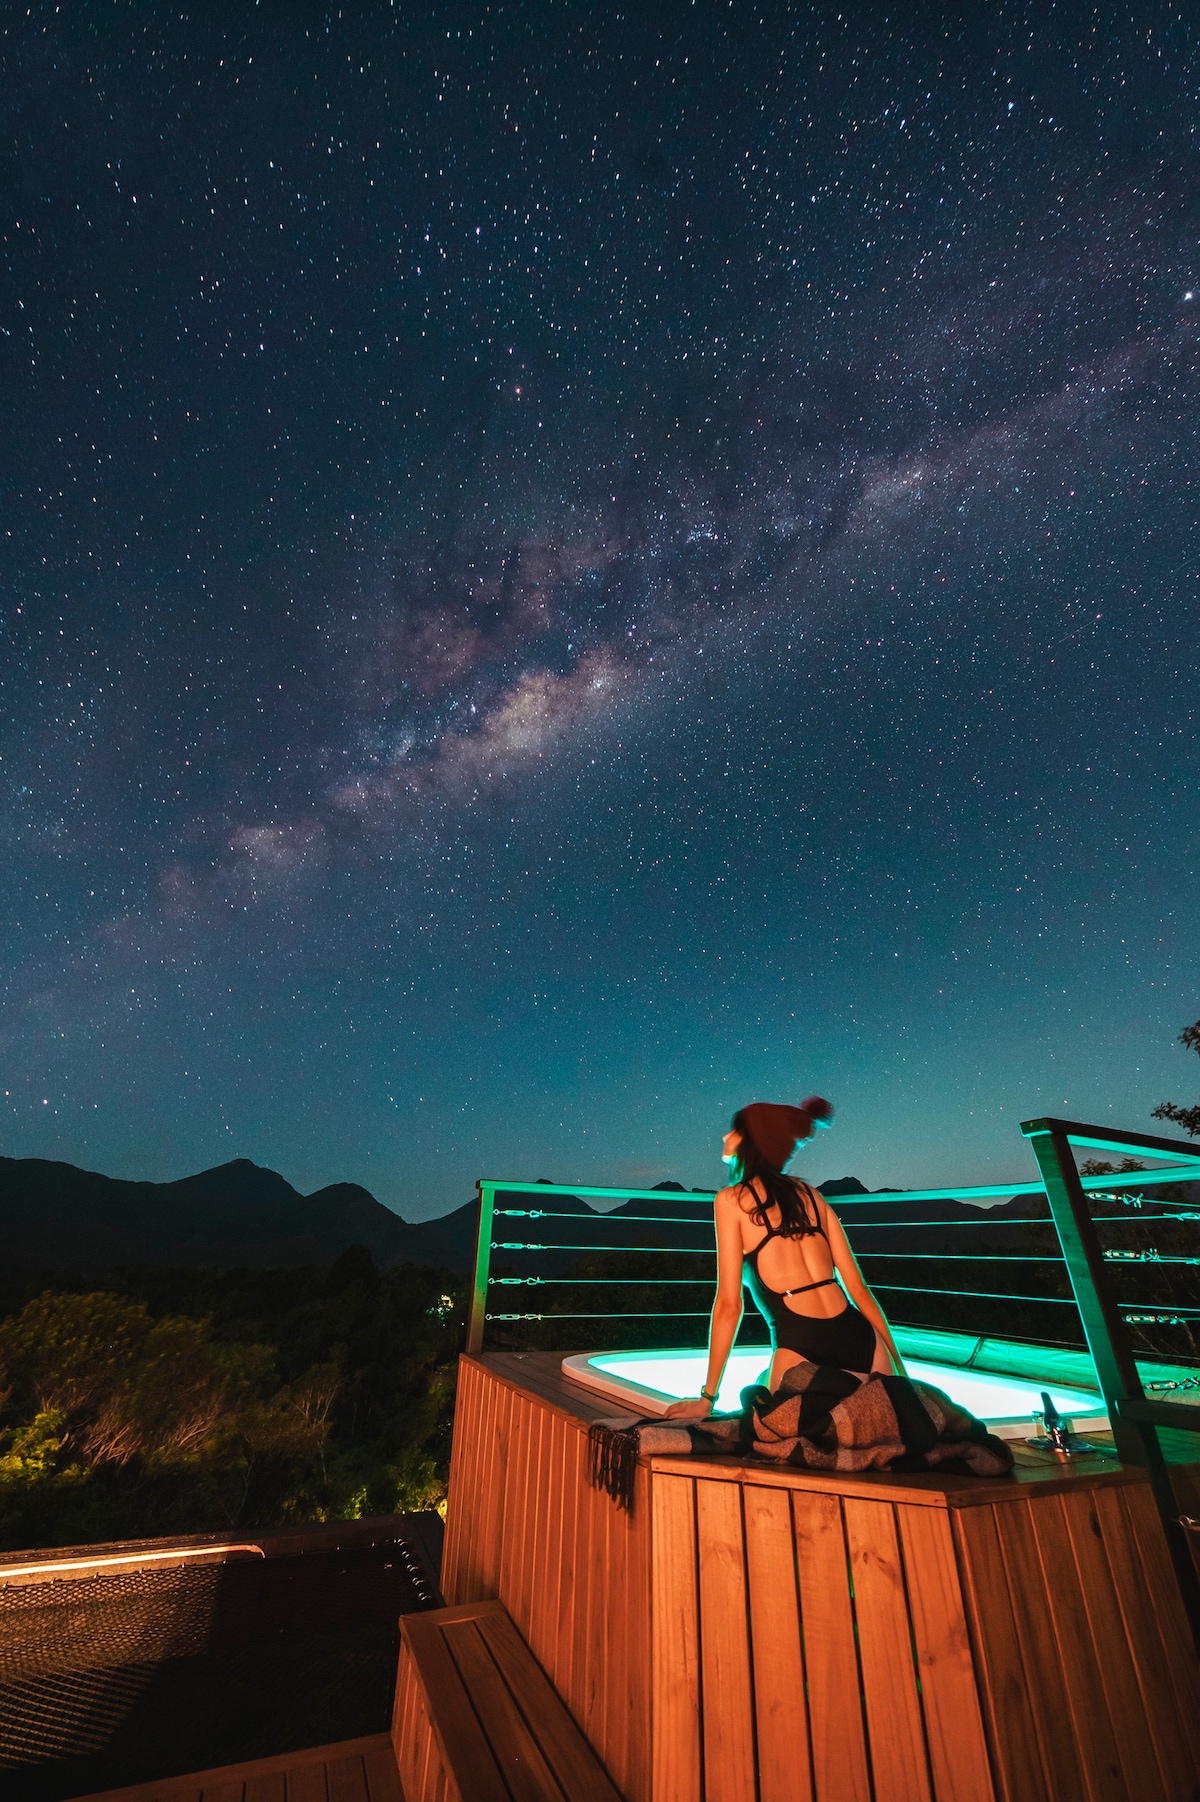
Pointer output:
x,y
819,1111
777,1129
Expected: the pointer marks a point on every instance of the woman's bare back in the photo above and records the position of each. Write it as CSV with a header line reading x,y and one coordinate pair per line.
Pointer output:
x,y
794,1263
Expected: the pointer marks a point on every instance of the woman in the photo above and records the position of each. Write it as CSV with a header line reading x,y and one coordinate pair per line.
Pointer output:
x,y
781,1237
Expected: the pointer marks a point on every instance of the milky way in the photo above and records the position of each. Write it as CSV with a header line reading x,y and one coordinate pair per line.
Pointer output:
x,y
565,570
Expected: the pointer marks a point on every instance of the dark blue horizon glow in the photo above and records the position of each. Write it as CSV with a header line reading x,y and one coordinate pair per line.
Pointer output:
x,y
567,571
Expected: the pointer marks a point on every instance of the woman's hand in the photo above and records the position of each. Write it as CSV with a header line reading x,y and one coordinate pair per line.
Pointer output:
x,y
692,1407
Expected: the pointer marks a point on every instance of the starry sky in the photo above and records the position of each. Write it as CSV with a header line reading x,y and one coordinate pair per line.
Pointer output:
x,y
565,567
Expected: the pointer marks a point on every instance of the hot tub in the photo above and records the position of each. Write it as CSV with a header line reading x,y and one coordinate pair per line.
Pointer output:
x,y
649,1381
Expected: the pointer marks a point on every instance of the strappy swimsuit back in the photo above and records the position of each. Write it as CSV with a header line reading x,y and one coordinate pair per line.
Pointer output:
x,y
846,1340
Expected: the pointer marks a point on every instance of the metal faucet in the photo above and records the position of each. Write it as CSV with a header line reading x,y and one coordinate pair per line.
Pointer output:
x,y
1058,1430
1052,1433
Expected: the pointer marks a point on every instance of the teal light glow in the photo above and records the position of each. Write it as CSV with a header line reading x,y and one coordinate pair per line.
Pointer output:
x,y
671,1374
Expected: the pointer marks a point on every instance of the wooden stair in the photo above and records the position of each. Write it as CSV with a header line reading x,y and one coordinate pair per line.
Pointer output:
x,y
353,1770
477,1720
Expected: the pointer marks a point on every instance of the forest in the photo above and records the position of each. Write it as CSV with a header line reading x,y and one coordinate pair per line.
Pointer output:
x,y
159,1401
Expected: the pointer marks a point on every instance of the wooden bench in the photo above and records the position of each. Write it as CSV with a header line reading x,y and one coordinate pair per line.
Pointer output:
x,y
477,1720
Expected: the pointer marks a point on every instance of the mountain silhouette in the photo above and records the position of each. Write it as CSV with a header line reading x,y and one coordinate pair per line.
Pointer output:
x,y
55,1217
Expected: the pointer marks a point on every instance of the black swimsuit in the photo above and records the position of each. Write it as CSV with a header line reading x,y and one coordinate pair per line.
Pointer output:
x,y
845,1340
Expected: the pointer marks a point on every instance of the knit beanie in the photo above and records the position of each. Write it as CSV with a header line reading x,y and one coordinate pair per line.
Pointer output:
x,y
777,1129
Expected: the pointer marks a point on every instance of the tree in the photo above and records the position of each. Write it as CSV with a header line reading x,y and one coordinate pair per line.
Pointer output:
x,y
1187,1117
202,1400
120,1386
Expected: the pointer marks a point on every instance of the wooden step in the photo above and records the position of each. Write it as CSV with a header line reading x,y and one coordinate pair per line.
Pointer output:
x,y
477,1719
352,1770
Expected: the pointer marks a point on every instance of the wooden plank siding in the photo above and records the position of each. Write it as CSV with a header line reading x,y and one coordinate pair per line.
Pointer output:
x,y
417,1747
526,1527
726,1678
837,1731
784,1753
892,1705
677,1771
958,1758
750,1634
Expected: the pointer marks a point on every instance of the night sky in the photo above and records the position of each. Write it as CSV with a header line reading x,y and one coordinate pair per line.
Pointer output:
x,y
568,567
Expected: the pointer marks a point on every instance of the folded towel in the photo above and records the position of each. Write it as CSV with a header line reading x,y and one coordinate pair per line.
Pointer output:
x,y
819,1418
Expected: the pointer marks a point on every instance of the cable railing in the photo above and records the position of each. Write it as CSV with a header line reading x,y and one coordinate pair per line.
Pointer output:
x,y
693,1207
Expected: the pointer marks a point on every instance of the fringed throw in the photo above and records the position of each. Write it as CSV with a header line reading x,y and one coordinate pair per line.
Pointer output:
x,y
819,1418
614,1447
612,1460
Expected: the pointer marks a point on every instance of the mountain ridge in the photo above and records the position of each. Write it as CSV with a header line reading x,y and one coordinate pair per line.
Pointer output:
x,y
58,1217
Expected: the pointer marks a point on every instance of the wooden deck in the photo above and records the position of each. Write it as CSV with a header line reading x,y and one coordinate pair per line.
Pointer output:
x,y
751,1634
122,1664
356,1770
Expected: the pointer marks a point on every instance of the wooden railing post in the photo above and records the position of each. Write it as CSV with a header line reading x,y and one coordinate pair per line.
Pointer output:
x,y
1107,1340
483,1265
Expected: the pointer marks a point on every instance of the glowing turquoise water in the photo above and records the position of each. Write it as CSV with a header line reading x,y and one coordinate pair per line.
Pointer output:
x,y
673,1374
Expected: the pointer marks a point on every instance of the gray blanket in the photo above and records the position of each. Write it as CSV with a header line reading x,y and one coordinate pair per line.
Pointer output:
x,y
820,1418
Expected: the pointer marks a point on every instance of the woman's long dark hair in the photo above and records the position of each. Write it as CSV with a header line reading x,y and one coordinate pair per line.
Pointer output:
x,y
787,1193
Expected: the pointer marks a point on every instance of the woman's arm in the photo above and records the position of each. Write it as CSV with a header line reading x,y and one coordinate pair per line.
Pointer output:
x,y
727,1307
853,1280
